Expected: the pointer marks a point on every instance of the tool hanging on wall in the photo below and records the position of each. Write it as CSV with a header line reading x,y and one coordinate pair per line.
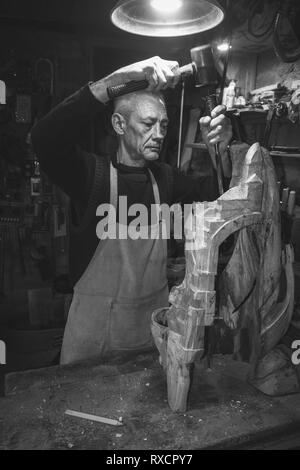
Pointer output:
x,y
287,206
35,180
10,233
2,92
44,73
60,227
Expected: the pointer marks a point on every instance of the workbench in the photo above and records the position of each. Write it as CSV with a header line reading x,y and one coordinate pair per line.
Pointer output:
x,y
224,410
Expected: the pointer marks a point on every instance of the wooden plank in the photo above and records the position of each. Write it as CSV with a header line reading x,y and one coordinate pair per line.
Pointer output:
x,y
97,419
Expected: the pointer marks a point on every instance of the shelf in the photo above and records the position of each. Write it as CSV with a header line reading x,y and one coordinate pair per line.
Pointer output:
x,y
284,154
4,203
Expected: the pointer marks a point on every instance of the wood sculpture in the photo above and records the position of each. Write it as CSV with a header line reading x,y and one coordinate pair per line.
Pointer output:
x,y
249,286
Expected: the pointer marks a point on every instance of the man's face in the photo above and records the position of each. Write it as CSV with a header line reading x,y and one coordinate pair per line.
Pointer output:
x,y
146,128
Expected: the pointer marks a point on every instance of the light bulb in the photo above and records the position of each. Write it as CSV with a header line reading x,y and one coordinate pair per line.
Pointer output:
x,y
166,6
224,47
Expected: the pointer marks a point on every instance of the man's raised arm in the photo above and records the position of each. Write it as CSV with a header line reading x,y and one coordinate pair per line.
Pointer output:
x,y
55,137
55,140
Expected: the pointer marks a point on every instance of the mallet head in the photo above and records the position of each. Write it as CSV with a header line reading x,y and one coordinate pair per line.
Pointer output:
x,y
206,74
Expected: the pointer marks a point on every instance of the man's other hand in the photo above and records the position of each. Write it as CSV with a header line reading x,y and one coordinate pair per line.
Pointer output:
x,y
217,129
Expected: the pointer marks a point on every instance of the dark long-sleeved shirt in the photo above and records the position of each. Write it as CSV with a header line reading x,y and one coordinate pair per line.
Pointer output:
x,y
84,176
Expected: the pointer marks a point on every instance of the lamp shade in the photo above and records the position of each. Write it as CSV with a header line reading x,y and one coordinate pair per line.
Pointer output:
x,y
166,18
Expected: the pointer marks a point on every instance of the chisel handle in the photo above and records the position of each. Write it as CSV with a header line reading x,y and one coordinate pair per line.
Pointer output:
x,y
211,103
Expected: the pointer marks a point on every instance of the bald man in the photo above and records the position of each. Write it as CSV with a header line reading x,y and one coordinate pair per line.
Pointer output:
x,y
119,282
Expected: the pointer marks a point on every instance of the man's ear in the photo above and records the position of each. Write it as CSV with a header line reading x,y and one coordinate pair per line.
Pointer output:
x,y
118,123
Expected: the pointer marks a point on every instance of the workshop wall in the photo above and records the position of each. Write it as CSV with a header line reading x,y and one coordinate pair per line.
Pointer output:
x,y
243,68
68,53
20,66
270,69
33,279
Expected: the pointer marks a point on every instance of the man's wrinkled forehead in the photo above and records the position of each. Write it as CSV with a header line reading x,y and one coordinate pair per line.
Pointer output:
x,y
141,104
150,106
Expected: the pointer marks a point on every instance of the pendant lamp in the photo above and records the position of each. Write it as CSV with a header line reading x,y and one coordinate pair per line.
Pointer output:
x,y
167,18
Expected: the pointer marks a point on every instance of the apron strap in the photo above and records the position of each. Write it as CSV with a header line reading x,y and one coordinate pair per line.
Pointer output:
x,y
155,188
113,198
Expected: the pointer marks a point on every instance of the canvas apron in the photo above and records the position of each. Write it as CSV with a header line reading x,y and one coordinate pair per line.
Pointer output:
x,y
113,301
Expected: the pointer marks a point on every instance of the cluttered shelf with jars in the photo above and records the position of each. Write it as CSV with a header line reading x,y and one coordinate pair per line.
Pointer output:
x,y
271,116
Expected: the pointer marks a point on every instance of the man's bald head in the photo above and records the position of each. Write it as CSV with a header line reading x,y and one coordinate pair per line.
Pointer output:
x,y
131,102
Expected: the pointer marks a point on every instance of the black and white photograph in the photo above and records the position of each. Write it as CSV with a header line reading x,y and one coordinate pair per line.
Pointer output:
x,y
150,227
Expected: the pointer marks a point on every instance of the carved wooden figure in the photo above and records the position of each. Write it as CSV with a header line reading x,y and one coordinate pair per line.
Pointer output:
x,y
248,287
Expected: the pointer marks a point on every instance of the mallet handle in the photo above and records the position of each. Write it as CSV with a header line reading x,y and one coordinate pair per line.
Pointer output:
x,y
125,88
